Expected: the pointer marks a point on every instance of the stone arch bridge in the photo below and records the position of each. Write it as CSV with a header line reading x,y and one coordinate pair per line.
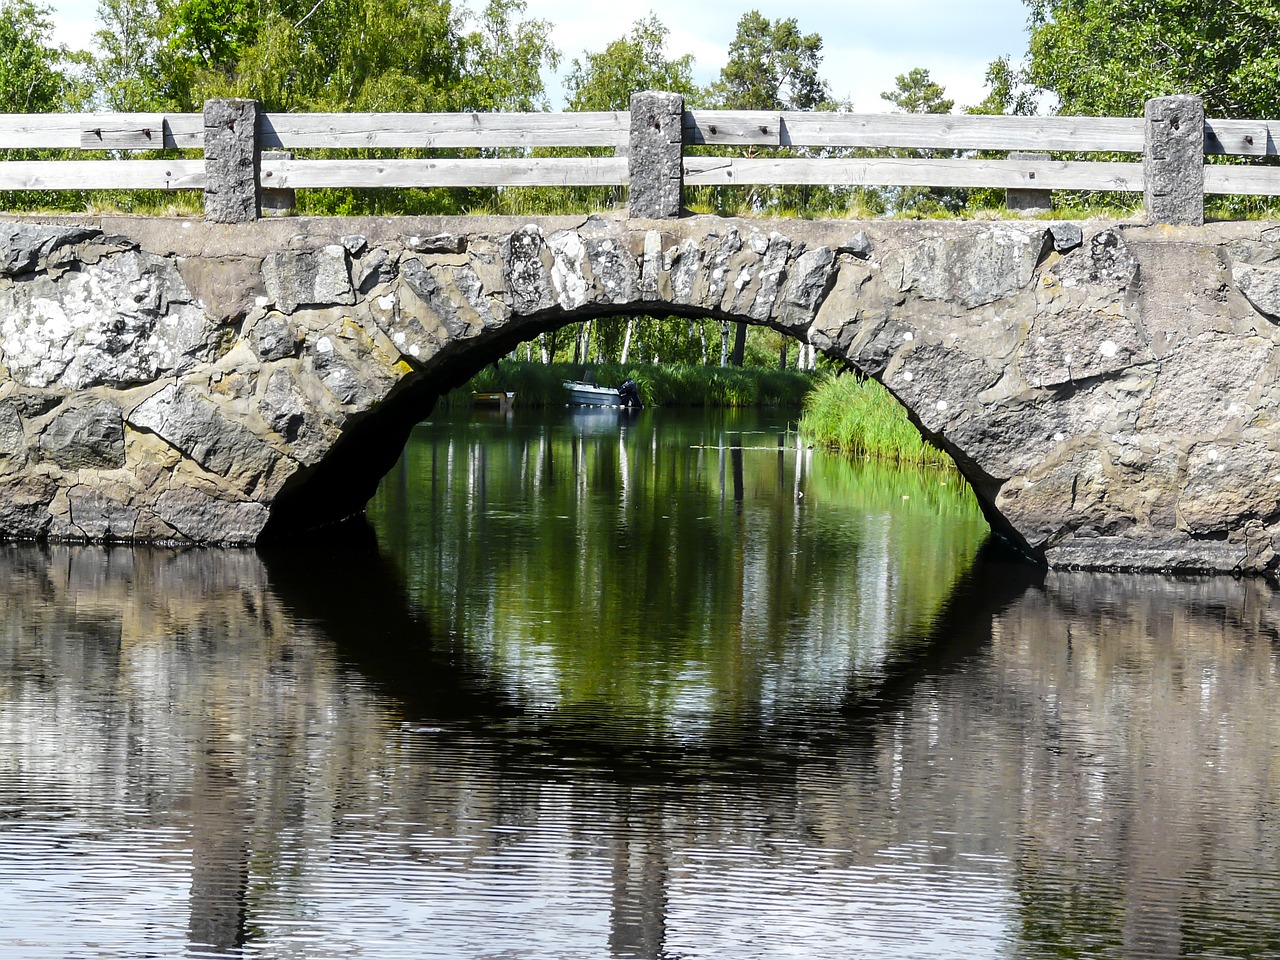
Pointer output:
x,y
1109,390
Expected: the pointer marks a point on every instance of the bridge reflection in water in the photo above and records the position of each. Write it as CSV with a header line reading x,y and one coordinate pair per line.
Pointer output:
x,y
378,747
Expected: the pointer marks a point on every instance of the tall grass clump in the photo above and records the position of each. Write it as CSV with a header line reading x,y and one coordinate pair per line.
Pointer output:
x,y
661,385
861,418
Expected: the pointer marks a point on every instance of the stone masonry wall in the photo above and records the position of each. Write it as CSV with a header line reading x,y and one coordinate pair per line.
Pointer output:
x,y
1110,390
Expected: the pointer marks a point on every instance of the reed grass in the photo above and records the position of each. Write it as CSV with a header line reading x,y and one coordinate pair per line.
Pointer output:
x,y
860,418
663,385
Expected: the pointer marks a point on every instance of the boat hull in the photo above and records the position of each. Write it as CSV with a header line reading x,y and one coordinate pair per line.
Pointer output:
x,y
589,395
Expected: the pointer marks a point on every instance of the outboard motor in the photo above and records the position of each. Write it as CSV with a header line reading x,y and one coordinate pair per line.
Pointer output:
x,y
629,393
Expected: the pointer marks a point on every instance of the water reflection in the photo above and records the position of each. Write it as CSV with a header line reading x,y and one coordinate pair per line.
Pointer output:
x,y
352,750
675,570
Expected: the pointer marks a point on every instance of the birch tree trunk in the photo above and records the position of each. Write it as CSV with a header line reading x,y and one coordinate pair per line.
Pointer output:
x,y
626,339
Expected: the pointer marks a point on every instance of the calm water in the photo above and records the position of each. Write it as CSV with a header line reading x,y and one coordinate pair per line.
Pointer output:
x,y
644,686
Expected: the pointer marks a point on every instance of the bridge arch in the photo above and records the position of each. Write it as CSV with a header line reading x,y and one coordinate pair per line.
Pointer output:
x,y
1108,390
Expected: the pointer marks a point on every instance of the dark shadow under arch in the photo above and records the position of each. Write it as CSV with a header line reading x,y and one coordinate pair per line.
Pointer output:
x,y
342,484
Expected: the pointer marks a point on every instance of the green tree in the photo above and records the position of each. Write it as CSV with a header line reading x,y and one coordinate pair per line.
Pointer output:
x,y
634,62
502,61
1008,91
347,55
1108,57
389,55
917,92
771,66
126,70
37,77
32,78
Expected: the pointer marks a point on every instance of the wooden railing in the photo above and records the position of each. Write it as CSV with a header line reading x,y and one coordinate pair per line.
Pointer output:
x,y
658,123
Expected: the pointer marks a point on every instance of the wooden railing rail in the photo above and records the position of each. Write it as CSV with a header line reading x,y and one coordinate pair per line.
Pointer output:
x,y
648,152
1252,138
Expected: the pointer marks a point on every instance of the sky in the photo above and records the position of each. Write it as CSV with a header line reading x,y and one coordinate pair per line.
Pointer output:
x,y
866,43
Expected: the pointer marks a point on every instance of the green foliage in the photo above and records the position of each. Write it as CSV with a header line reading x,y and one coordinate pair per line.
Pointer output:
x,y
127,71
859,417
1007,91
31,71
36,77
502,61
771,66
917,92
635,62
663,385
1108,57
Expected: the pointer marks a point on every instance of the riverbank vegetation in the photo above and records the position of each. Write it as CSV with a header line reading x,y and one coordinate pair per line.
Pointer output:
x,y
661,385
860,418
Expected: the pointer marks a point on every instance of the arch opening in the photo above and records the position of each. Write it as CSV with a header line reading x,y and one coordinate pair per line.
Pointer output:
x,y
342,485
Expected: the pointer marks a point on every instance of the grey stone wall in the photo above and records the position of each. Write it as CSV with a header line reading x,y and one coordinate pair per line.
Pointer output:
x,y
1109,390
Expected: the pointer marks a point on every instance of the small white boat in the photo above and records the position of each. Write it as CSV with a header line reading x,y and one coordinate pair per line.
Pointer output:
x,y
589,395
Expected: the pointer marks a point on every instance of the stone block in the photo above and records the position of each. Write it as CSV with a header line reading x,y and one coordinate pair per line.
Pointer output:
x,y
655,162
1173,161
277,203
89,436
231,161
1028,202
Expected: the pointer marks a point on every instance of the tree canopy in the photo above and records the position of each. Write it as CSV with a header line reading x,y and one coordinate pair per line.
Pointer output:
x,y
31,71
771,66
1107,57
917,92
637,61
384,55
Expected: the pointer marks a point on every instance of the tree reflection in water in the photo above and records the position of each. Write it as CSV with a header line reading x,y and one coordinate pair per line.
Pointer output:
x,y
840,729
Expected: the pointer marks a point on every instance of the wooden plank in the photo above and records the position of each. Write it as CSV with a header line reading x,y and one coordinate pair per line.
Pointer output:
x,y
1248,138
739,127
522,172
445,130
1237,178
1008,174
142,131
63,131
962,132
102,175
40,131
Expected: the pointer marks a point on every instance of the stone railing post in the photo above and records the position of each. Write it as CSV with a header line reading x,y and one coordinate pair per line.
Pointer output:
x,y
1173,160
656,161
1024,201
271,202
231,161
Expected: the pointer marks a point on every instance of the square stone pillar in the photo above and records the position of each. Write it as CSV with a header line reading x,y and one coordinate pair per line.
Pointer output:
x,y
231,161
1173,160
656,160
1028,202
